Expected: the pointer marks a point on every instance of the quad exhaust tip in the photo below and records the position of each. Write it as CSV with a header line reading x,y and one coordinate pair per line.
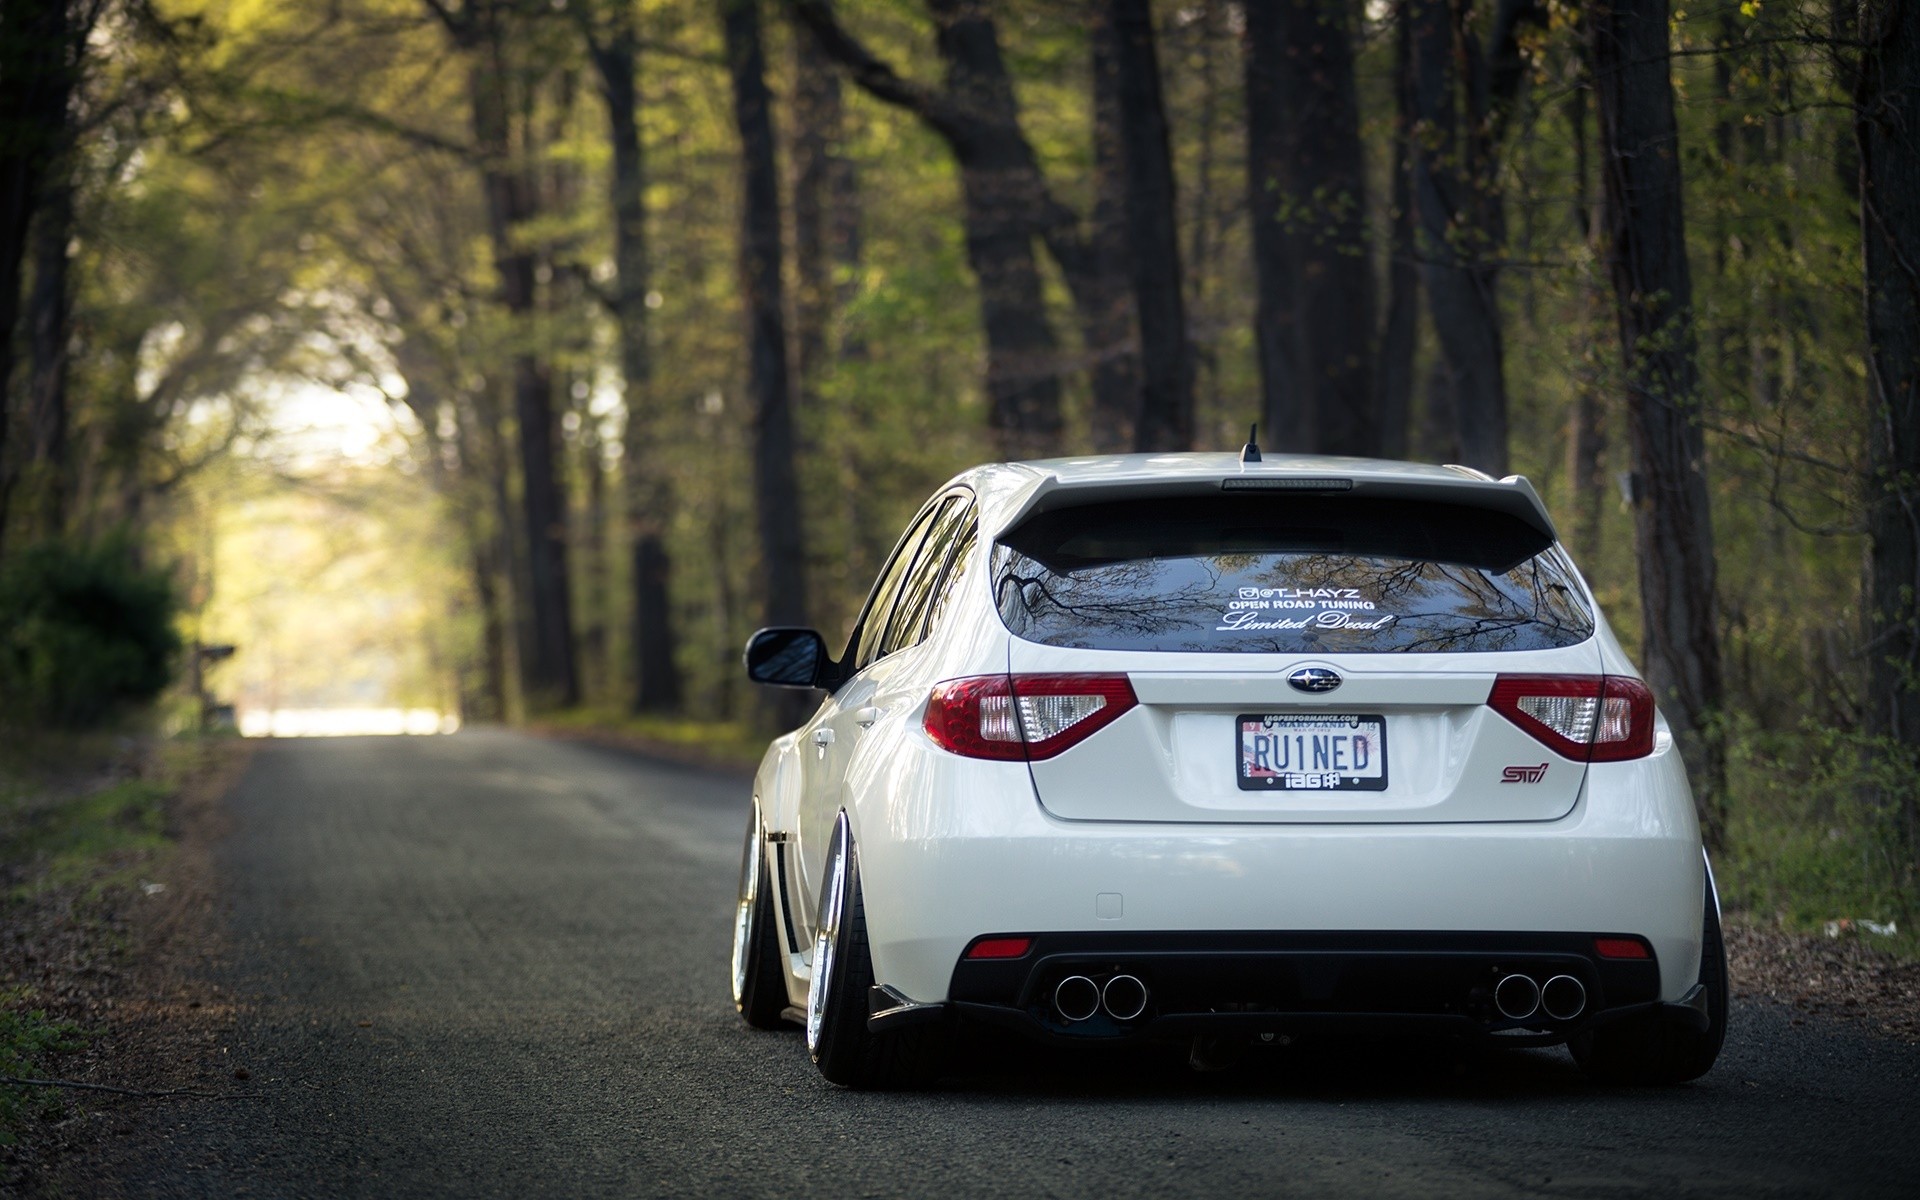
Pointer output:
x,y
1076,998
1563,997
1124,997
1518,997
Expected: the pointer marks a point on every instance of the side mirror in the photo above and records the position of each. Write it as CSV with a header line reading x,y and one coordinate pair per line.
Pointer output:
x,y
786,657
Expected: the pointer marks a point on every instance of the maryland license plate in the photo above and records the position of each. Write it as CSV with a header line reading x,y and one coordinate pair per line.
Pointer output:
x,y
1325,752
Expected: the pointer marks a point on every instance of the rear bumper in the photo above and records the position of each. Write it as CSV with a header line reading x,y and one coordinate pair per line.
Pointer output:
x,y
1287,981
970,853
1270,985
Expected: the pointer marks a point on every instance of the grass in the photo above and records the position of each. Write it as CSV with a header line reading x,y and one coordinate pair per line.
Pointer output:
x,y
729,743
94,842
1806,841
27,1038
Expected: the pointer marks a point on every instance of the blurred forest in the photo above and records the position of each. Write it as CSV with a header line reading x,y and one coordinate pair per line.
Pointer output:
x,y
660,317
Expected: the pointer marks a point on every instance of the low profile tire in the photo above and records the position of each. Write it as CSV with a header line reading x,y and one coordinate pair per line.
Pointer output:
x,y
846,1052
1660,1050
759,983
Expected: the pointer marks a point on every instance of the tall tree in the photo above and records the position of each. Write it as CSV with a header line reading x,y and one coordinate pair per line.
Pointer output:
x,y
1462,96
823,181
977,114
50,318
1306,189
1887,126
1400,326
491,33
39,63
1653,298
1166,355
776,488
614,47
1102,296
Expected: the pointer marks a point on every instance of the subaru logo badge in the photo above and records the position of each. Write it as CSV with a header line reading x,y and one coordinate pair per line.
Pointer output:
x,y
1315,679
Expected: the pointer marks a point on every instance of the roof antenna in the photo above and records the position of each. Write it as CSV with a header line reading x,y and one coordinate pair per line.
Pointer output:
x,y
1251,451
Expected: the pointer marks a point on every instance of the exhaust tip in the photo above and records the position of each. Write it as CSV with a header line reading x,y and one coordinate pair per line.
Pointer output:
x,y
1076,998
1563,997
1124,997
1517,997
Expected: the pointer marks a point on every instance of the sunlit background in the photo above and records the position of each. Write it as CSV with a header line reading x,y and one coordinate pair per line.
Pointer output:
x,y
319,558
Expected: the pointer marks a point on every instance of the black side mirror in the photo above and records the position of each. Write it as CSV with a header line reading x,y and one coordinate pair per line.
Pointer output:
x,y
786,657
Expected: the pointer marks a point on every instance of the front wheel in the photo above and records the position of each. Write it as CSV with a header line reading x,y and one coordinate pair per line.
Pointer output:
x,y
759,984
1659,1050
844,1049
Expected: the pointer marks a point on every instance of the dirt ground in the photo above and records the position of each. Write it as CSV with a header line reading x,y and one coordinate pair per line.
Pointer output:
x,y
136,972
1846,977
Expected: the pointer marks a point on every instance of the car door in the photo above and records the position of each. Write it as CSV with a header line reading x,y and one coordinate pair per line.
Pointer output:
x,y
828,741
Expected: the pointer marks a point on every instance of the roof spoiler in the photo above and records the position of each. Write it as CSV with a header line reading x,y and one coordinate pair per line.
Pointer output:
x,y
1513,495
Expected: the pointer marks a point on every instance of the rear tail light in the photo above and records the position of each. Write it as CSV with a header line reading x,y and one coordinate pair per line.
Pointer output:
x,y
1017,718
1587,718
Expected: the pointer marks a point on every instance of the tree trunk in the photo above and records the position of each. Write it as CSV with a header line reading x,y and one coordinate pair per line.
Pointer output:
x,y
1400,334
1887,126
50,311
817,114
1000,183
1456,242
1653,294
1204,253
1106,309
1308,200
1166,357
36,80
511,200
1286,410
648,493
1587,434
493,631
776,490
1006,205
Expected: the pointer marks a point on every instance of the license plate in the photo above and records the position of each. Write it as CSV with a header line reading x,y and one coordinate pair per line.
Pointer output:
x,y
1325,752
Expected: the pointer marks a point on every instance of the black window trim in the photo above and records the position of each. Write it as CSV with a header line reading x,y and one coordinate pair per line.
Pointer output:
x,y
849,656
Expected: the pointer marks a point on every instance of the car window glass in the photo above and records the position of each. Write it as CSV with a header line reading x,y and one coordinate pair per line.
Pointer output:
x,y
1298,574
957,564
910,612
865,643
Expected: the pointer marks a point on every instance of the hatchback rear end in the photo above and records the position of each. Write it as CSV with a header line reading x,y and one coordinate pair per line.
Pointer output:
x,y
1310,745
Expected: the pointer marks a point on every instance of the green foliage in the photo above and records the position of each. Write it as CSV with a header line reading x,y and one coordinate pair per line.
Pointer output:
x,y
85,631
27,1038
93,842
1814,832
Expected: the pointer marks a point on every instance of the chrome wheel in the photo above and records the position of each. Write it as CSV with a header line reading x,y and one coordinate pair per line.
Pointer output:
x,y
833,907
743,915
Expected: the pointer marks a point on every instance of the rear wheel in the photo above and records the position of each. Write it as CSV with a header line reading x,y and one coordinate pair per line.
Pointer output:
x,y
844,1049
759,984
1658,1049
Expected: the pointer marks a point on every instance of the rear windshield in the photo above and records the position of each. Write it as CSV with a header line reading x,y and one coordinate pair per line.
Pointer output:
x,y
1286,574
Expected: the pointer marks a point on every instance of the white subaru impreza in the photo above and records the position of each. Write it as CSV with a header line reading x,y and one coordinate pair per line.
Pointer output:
x,y
1226,750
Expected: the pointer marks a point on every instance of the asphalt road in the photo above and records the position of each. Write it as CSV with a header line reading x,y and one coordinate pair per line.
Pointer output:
x,y
488,965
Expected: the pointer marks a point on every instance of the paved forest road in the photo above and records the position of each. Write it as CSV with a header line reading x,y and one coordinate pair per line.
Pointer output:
x,y
537,933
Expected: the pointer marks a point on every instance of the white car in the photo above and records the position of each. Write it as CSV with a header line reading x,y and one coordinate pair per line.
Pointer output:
x,y
1226,750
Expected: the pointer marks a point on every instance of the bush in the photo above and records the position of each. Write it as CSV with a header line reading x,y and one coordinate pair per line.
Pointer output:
x,y
1814,829
84,633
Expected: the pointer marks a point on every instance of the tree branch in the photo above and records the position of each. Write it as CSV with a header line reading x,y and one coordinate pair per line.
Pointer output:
x,y
874,75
